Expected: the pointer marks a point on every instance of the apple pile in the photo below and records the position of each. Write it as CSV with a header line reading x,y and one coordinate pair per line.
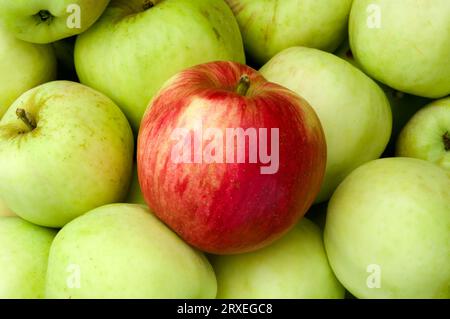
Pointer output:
x,y
142,155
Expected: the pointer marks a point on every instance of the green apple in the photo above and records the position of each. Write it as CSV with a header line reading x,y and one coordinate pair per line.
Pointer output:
x,y
45,21
427,134
403,106
168,36
387,233
134,193
353,110
4,210
295,266
123,251
22,66
64,150
269,27
404,44
24,250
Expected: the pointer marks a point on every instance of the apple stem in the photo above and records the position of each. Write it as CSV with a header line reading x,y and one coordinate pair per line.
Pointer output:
x,y
243,85
26,118
446,139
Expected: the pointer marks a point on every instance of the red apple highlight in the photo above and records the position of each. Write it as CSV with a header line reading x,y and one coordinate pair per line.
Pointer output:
x,y
229,160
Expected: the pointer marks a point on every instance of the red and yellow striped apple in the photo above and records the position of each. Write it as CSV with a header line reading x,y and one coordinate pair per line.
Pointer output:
x,y
229,160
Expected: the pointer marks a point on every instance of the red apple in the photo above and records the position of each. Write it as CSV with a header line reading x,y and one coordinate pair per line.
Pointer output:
x,y
229,160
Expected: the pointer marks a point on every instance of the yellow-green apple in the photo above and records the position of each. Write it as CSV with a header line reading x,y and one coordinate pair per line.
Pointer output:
x,y
269,27
64,149
123,251
45,21
295,266
23,66
354,111
23,258
167,37
427,134
229,160
403,105
134,193
404,44
4,210
387,230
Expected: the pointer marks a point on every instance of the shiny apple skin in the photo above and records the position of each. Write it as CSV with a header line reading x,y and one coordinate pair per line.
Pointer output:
x,y
226,208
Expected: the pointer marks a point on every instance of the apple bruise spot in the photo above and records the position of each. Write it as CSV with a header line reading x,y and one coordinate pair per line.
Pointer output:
x,y
214,29
216,33
446,140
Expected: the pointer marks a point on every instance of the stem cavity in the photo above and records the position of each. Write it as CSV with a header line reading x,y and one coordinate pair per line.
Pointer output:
x,y
44,15
26,118
243,85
